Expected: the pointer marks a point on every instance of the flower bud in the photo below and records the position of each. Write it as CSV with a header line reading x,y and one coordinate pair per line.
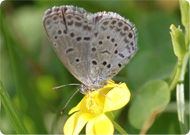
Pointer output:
x,y
178,41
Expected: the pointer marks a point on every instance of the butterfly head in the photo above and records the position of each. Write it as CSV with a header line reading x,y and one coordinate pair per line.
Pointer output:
x,y
84,89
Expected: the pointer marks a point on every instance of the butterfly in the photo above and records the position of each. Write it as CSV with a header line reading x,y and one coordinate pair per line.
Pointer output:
x,y
93,47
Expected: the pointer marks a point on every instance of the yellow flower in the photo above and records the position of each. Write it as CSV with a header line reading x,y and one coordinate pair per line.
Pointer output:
x,y
92,111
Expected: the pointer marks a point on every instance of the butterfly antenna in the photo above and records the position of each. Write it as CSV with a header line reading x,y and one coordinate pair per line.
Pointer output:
x,y
69,101
54,88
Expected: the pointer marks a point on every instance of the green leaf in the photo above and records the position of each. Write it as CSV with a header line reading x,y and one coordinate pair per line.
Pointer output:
x,y
13,115
150,100
160,126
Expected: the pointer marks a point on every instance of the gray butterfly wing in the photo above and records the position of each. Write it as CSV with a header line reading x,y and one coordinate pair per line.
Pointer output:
x,y
115,42
69,30
93,47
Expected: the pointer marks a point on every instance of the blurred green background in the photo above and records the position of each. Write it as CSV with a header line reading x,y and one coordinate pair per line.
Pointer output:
x,y
30,67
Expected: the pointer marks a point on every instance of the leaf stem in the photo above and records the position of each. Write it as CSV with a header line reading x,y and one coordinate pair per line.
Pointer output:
x,y
176,75
119,128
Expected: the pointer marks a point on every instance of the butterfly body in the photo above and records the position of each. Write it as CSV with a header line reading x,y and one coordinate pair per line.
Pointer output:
x,y
93,47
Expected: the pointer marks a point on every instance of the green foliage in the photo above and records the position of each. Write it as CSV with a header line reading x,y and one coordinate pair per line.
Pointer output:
x,y
149,102
184,6
14,116
30,68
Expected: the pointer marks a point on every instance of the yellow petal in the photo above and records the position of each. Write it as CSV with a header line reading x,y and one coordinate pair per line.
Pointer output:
x,y
102,125
119,96
69,125
76,122
80,106
90,128
74,109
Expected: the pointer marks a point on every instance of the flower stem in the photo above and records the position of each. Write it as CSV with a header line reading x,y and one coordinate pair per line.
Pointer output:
x,y
116,125
119,128
180,98
178,82
176,75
